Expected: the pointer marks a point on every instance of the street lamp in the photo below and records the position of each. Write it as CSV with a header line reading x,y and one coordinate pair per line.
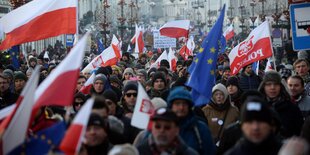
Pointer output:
x,y
253,18
122,19
262,16
105,23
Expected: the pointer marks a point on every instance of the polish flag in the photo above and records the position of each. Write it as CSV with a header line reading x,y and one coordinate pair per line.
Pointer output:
x,y
38,20
137,39
175,29
269,66
59,87
14,127
143,109
88,84
229,33
257,46
172,60
116,45
6,111
109,57
187,50
163,56
72,141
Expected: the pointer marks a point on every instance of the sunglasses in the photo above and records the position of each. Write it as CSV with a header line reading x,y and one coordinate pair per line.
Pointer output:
x,y
131,94
165,127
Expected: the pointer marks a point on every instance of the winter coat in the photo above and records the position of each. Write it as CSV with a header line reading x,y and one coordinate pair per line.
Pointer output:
x,y
7,98
197,135
230,137
179,148
303,103
290,116
249,82
270,146
215,115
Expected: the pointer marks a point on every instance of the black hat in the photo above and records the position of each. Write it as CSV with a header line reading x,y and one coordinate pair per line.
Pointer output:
x,y
130,85
165,114
165,63
256,109
20,75
95,119
226,68
110,94
233,80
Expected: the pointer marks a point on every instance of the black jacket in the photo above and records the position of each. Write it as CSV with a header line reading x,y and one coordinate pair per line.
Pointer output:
x,y
270,146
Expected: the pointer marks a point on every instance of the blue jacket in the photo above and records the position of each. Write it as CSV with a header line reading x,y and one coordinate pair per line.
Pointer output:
x,y
249,82
197,135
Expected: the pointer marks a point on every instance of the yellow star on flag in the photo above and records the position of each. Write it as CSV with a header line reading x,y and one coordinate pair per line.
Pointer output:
x,y
210,61
201,50
196,60
212,72
212,50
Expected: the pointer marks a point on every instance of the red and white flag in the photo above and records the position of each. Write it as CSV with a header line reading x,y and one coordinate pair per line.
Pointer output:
x,y
172,59
229,33
143,109
59,87
117,46
88,84
269,65
72,141
137,39
257,46
14,127
38,20
175,29
187,50
163,56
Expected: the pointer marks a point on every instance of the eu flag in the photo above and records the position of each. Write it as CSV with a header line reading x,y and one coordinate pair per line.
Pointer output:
x,y
43,142
100,46
202,70
14,51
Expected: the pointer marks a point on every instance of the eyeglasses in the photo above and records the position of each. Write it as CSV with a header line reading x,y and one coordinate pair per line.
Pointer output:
x,y
166,127
131,94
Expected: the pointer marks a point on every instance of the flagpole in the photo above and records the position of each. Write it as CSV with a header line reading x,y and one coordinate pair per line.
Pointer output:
x,y
273,57
77,21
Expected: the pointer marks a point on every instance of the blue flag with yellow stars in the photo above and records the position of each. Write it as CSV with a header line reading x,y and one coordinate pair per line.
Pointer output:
x,y
43,142
202,70
14,52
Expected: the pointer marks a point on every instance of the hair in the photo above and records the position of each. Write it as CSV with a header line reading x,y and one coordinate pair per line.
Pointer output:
x,y
100,103
82,76
299,61
298,77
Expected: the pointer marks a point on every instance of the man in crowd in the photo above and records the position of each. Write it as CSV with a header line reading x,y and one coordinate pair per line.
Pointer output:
x,y
258,130
6,96
248,79
164,138
302,68
193,131
296,85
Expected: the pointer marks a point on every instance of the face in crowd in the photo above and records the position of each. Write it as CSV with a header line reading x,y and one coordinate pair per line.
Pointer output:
x,y
98,86
232,89
19,84
130,97
218,97
180,107
80,83
256,131
164,132
159,84
302,68
272,89
4,84
295,85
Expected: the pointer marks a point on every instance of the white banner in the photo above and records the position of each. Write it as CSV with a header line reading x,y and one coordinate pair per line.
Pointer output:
x,y
162,41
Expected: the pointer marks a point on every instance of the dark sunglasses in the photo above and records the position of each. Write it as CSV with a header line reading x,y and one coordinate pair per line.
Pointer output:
x,y
166,127
131,94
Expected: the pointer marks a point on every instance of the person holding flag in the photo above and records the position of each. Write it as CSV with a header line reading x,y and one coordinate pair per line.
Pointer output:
x,y
202,70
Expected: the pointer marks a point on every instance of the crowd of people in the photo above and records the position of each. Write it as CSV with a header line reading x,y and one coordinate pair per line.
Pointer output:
x,y
248,113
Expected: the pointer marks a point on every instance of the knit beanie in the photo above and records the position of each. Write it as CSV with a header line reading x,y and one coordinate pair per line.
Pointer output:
x,y
256,109
100,77
124,149
111,95
130,85
221,88
115,79
8,73
128,70
164,63
20,75
159,75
